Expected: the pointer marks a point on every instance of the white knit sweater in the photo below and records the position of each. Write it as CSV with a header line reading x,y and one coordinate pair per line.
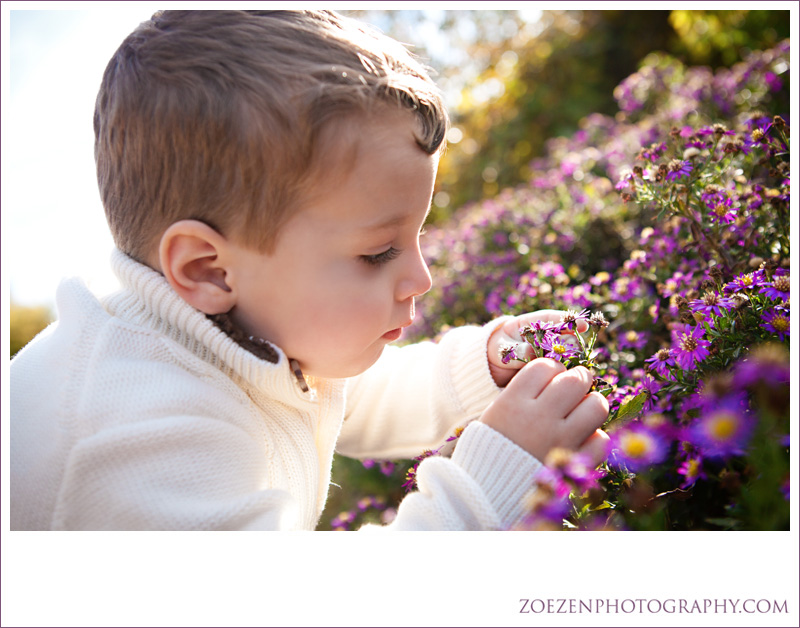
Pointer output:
x,y
136,412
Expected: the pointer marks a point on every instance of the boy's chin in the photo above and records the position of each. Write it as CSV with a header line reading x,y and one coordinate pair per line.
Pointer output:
x,y
342,370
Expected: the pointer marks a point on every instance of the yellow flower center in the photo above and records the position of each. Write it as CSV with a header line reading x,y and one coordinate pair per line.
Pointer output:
x,y
722,426
560,349
631,336
780,323
636,445
692,468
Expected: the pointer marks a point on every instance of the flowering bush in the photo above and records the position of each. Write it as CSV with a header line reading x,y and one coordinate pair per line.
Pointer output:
x,y
670,221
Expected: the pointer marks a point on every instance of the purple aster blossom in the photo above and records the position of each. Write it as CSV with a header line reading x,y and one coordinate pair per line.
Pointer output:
x,y
653,152
625,288
578,296
624,181
661,360
581,472
365,503
570,318
386,467
678,169
785,489
651,387
716,129
746,281
675,284
550,269
637,446
664,245
723,429
776,321
720,208
550,504
508,353
778,288
600,278
690,346
765,364
712,303
773,81
692,470
456,434
557,347
633,339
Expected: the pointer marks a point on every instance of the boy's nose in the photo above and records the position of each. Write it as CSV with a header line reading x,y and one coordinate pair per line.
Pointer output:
x,y
416,279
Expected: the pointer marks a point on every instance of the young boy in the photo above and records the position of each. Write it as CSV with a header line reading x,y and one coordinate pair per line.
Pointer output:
x,y
266,176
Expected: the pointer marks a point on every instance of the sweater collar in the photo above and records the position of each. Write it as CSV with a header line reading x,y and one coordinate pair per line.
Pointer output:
x,y
148,300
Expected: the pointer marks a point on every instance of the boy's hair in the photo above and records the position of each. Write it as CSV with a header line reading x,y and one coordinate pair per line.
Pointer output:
x,y
217,116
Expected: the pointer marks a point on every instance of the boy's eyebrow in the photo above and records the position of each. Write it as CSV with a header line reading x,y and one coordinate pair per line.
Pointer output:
x,y
391,221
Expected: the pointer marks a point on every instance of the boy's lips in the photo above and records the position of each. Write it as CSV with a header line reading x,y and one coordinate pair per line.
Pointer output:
x,y
394,334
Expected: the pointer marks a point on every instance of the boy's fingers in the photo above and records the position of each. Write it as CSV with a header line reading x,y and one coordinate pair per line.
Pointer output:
x,y
596,447
535,376
589,414
566,391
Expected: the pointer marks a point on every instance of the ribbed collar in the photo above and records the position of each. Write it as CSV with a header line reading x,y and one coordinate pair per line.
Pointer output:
x,y
147,300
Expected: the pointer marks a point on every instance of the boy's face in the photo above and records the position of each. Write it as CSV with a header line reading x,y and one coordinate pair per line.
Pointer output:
x,y
342,279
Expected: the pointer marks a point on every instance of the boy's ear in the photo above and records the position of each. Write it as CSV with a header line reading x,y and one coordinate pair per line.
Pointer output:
x,y
194,259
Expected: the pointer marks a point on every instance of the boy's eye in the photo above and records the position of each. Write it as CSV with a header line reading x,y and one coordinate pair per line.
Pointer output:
x,y
381,258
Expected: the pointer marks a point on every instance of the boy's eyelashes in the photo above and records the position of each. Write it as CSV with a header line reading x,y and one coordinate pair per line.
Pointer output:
x,y
386,256
381,258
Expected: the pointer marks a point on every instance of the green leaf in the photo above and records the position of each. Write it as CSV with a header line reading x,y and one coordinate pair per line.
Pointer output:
x,y
629,410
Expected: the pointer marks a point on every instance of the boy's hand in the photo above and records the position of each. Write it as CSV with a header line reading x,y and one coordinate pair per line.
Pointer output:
x,y
547,406
508,333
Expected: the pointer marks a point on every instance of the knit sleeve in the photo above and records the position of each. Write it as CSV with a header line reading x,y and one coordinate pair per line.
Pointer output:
x,y
483,486
171,473
414,397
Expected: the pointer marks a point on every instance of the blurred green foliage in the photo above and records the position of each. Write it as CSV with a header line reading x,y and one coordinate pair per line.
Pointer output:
x,y
26,322
541,86
523,77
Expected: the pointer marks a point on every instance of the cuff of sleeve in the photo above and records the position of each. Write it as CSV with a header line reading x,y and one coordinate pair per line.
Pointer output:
x,y
474,386
504,470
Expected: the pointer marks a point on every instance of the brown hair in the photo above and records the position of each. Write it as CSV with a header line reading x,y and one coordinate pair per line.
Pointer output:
x,y
217,116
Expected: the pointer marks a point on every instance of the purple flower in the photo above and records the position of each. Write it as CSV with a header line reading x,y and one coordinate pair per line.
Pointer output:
x,y
690,346
637,447
776,321
747,281
633,339
624,181
712,303
691,470
570,318
767,364
724,429
678,169
651,387
778,288
507,353
557,347
661,360
654,151
773,81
